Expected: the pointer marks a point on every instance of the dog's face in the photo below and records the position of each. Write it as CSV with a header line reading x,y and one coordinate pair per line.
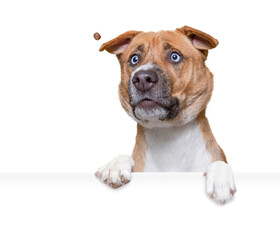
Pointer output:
x,y
164,80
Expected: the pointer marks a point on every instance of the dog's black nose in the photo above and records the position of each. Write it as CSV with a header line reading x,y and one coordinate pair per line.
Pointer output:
x,y
144,80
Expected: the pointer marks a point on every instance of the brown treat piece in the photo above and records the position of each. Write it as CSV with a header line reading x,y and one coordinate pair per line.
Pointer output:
x,y
96,36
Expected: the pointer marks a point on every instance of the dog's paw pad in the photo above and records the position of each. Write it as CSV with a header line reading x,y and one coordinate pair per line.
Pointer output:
x,y
117,172
220,184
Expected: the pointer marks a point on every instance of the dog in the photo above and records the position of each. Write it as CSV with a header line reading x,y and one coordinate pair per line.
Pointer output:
x,y
165,87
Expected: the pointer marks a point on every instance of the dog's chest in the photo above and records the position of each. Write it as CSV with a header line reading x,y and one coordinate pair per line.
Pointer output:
x,y
176,149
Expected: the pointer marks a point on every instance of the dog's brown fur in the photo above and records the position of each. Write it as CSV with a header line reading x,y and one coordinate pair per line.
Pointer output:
x,y
139,150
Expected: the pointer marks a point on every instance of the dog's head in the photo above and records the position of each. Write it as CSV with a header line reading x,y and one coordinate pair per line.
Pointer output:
x,y
164,80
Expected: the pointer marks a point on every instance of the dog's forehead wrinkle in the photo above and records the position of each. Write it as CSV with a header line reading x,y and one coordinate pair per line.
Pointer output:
x,y
140,47
166,46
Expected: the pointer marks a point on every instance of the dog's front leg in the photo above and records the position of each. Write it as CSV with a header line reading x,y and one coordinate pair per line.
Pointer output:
x,y
220,184
117,172
140,149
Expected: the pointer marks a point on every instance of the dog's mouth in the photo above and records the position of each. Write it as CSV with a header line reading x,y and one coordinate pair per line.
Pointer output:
x,y
150,108
147,104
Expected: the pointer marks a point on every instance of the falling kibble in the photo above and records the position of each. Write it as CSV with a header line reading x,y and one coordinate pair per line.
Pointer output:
x,y
97,36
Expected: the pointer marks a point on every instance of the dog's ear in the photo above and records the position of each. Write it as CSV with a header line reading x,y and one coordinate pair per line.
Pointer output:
x,y
120,43
200,40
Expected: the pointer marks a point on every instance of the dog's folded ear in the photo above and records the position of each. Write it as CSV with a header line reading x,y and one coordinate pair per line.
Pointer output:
x,y
120,43
200,40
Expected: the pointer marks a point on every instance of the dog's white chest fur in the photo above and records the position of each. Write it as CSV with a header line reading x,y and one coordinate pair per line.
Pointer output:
x,y
176,149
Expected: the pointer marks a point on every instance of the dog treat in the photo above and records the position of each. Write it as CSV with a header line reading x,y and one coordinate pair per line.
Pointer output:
x,y
97,36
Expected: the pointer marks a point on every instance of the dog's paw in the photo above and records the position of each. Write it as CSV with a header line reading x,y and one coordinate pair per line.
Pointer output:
x,y
117,172
220,184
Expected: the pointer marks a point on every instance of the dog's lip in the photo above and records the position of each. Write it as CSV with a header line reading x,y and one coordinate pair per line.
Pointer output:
x,y
147,103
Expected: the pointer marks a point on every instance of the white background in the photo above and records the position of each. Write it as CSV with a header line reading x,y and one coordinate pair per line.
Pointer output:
x,y
58,95
59,112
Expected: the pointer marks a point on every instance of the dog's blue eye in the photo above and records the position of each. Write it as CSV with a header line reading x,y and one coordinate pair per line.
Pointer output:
x,y
175,57
134,59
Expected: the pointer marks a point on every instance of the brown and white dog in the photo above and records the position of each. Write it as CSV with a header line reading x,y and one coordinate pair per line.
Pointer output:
x,y
165,87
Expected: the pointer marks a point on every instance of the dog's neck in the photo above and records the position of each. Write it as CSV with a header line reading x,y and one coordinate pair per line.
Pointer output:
x,y
179,148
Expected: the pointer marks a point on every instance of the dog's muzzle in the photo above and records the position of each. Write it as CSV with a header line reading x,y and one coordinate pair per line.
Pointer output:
x,y
150,95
